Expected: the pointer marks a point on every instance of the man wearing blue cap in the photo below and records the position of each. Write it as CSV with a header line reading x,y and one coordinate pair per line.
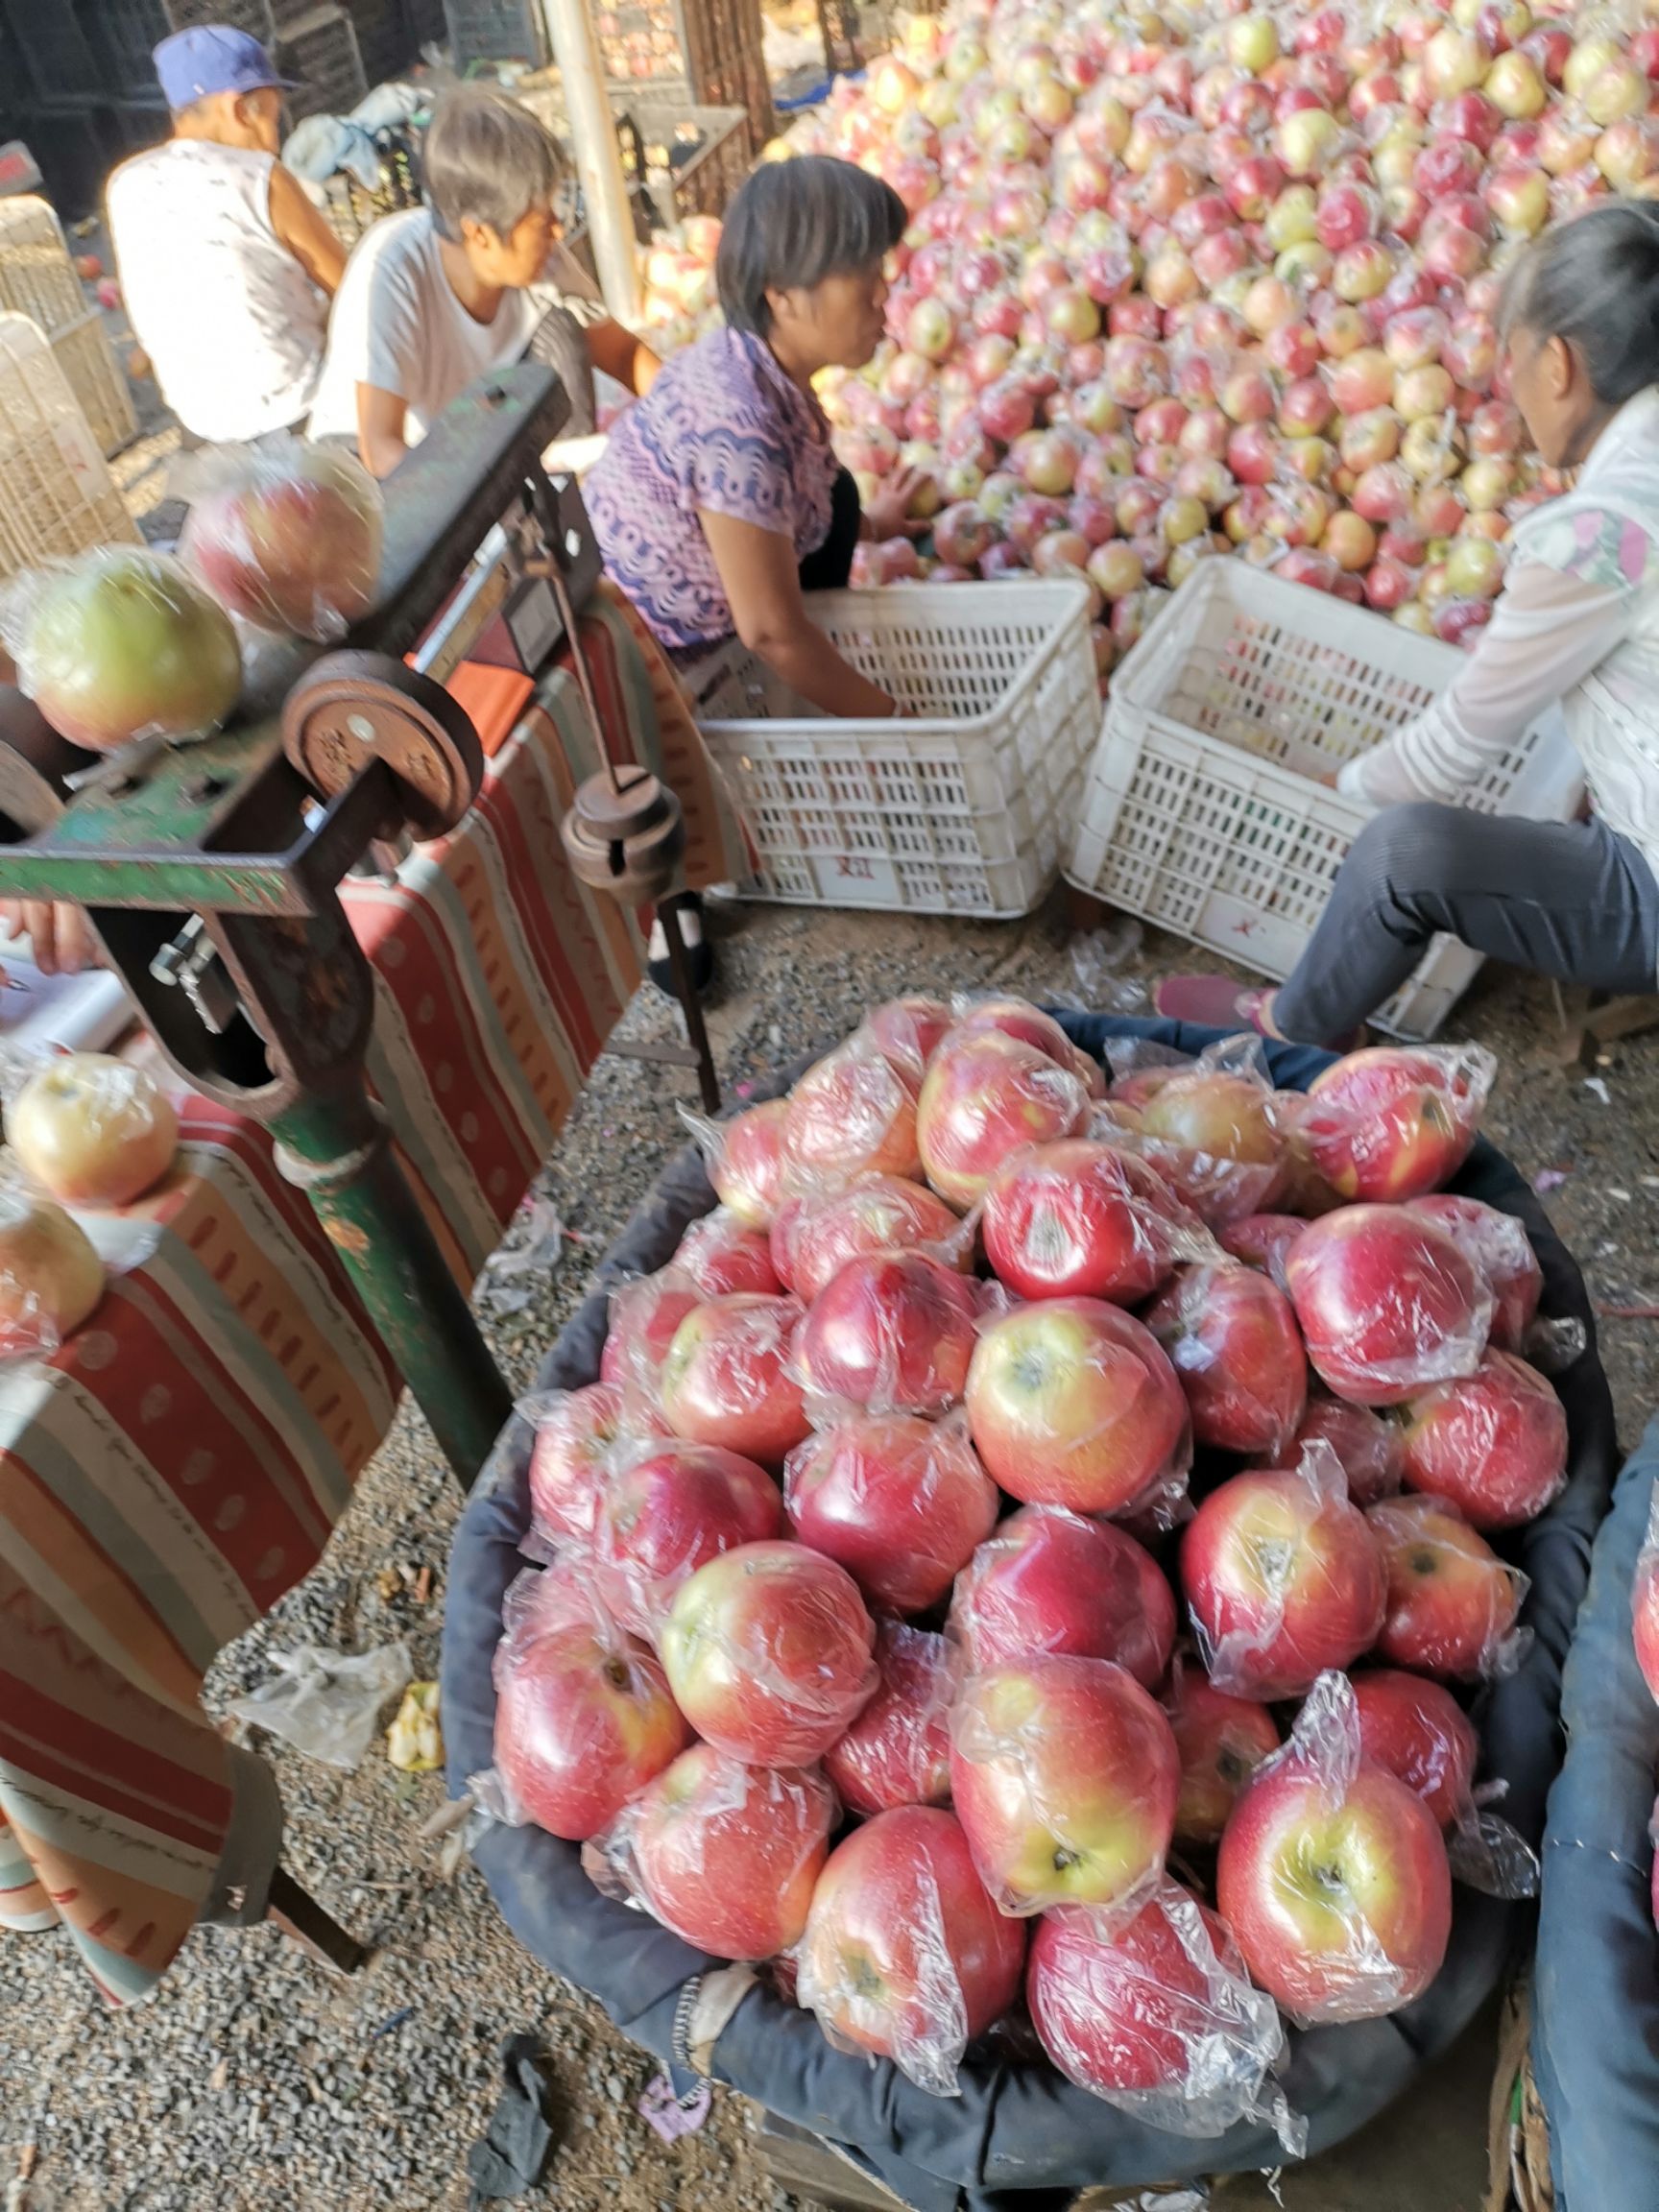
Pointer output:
x,y
227,267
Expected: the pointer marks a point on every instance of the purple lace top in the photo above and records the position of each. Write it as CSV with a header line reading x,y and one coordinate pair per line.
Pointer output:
x,y
724,431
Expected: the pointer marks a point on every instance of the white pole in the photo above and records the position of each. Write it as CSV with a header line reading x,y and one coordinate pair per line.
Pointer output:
x,y
599,157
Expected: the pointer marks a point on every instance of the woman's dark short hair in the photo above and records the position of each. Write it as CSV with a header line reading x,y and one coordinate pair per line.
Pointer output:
x,y
1594,280
487,160
794,223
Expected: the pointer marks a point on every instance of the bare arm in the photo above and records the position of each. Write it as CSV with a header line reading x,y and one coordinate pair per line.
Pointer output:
x,y
304,229
380,422
621,355
758,568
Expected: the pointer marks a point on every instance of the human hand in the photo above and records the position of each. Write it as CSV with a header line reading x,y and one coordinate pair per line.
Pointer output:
x,y
60,934
888,512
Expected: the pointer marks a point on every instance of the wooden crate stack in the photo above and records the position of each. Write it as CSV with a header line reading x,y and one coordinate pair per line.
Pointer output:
x,y
707,53
38,280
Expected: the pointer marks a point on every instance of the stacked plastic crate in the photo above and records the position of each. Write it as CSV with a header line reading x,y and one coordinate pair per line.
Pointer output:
x,y
38,279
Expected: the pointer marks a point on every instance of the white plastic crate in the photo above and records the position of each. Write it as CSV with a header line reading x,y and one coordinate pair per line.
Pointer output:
x,y
1202,811
960,808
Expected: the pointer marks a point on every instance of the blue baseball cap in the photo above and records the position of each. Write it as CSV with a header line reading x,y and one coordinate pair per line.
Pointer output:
x,y
211,59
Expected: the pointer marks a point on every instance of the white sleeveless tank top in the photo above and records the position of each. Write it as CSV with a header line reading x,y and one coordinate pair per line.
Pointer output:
x,y
232,324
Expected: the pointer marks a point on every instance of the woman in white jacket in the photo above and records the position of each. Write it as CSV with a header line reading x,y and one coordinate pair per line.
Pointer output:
x,y
1578,622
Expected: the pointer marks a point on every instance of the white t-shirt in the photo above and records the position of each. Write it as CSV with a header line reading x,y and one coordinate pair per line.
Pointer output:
x,y
232,324
399,325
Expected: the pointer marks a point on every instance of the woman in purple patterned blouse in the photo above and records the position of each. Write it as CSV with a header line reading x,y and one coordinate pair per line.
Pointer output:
x,y
720,502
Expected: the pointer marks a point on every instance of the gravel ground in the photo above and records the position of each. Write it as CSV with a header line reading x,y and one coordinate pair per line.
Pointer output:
x,y
259,2078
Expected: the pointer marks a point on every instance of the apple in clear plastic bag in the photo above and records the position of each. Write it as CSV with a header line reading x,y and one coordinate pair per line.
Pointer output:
x,y
289,540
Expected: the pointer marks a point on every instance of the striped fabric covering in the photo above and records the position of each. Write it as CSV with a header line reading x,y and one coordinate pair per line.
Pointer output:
x,y
175,1467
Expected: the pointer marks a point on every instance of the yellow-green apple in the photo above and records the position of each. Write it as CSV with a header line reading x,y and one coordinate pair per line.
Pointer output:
x,y
1452,1602
1064,1777
1332,1875
728,1856
1493,1443
768,1650
1396,1121
1499,1245
723,1255
1283,1578
814,1238
898,1751
747,1170
900,1502
1081,1220
726,1377
1161,2004
124,643
1418,1730
893,1331
984,1095
1053,1581
1237,1352
584,1719
851,1115
1222,1739
92,1130
51,1277
1074,1402
665,1512
1388,1304
904,1956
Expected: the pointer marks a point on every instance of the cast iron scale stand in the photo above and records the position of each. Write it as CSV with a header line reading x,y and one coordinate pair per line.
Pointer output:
x,y
212,872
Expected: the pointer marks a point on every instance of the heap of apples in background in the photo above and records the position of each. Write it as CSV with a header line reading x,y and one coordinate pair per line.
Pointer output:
x,y
1003,1479
1180,280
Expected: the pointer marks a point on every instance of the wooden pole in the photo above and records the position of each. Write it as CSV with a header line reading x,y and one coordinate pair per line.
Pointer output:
x,y
599,157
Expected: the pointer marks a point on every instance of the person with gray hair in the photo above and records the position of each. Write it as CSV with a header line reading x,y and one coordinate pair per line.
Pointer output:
x,y
443,294
1577,623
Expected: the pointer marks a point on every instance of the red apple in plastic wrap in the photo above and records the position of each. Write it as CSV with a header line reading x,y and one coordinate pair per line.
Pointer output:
x,y
1369,1445
667,1511
1261,1241
768,1650
1388,1302
1053,1582
851,1115
984,1095
1393,1123
289,540
727,1378
747,1175
1216,1141
900,1503
1028,1024
722,1255
904,1956
897,1750
1074,1402
813,1238
1499,1245
1236,1351
582,1722
1078,1218
1333,1876
1452,1602
575,1434
893,1331
1493,1443
1221,1739
1064,1777
1418,1730
645,1317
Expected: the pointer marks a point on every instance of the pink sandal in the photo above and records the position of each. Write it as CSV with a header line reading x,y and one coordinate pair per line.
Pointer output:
x,y
1217,1002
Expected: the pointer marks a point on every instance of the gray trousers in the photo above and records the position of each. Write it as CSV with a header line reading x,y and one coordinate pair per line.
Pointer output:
x,y
1567,899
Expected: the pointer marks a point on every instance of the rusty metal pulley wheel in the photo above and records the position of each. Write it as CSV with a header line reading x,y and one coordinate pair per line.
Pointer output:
x,y
351,708
626,836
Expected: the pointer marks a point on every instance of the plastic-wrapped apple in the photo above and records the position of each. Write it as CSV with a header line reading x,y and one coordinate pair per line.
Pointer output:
x,y
1415,337
93,1130
1474,568
1292,218
1383,494
1439,512
1618,90
1388,585
289,538
1363,272
1423,393
1626,153
1486,485
1520,200
1269,302
1183,518
1566,142
1253,44
1115,570
1248,396
1350,540
1305,407
1304,141
51,1279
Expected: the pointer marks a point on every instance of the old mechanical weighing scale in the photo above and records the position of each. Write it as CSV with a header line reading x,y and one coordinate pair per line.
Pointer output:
x,y
210,871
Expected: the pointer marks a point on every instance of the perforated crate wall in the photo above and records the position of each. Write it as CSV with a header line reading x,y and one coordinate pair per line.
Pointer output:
x,y
55,492
319,51
36,274
495,30
962,808
88,359
1203,811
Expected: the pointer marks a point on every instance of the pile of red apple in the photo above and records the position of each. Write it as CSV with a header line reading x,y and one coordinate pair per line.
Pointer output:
x,y
975,1525
1180,280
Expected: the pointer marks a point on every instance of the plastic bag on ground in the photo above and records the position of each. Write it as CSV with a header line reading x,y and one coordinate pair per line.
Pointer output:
x,y
892,1333
1332,1875
1053,1582
286,534
1158,2018
900,1502
904,1954
1078,1218
850,1115
1212,1130
1388,1304
1396,1121
1233,1343
986,1094
668,1507
1064,1777
727,1378
724,1855
897,1750
744,1156
1283,1578
1493,1442
813,1238
50,1276
1453,1603
325,1703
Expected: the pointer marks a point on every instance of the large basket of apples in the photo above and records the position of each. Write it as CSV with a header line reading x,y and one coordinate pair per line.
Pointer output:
x,y
1040,1657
